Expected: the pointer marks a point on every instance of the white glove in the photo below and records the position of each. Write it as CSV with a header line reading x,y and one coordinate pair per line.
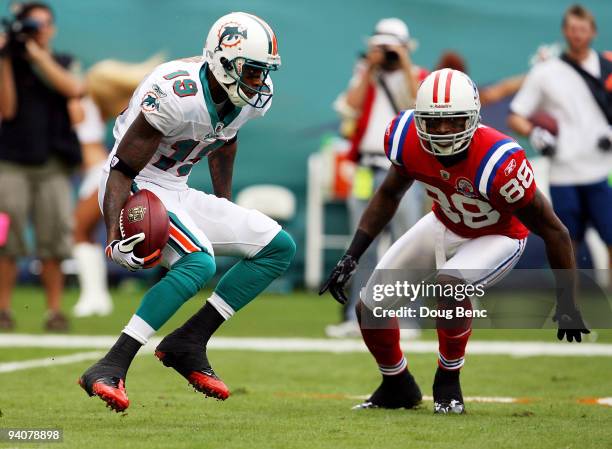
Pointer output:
x,y
543,141
121,252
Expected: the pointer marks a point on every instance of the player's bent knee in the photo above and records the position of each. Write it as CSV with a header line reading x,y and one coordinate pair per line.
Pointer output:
x,y
196,269
287,247
280,250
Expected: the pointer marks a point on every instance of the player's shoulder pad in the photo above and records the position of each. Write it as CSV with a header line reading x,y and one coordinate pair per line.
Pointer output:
x,y
395,136
497,153
169,94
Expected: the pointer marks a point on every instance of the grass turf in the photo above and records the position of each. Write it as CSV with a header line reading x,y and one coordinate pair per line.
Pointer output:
x,y
303,401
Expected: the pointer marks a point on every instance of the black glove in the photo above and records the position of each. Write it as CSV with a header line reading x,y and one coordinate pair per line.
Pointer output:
x,y
571,325
338,278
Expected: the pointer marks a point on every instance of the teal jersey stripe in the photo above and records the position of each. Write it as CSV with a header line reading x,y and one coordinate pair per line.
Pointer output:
x,y
210,105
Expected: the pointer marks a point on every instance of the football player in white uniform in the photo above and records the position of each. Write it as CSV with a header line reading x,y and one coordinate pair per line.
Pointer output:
x,y
183,111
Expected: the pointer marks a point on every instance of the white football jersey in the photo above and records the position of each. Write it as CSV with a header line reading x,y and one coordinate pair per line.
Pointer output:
x,y
176,100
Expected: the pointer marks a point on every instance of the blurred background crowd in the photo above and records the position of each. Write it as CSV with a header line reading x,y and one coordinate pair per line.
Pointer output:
x,y
67,69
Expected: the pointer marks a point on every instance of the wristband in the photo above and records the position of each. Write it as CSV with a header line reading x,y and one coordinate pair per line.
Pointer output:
x,y
119,165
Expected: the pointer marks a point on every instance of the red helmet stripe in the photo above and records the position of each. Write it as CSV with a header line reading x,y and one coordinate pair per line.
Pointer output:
x,y
274,44
447,87
435,87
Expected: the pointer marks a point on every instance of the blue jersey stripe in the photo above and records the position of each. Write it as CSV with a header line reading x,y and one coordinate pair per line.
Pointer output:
x,y
499,163
400,149
398,119
486,158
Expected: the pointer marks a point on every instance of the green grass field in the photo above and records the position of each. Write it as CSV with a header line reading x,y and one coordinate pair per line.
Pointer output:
x,y
302,399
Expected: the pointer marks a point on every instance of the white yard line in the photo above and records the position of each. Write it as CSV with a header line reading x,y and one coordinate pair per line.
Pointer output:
x,y
9,367
517,349
485,399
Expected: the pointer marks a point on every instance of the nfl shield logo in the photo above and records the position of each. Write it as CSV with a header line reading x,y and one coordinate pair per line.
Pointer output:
x,y
136,214
445,175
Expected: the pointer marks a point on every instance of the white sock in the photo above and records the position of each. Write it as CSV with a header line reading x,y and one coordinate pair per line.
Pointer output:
x,y
139,329
92,271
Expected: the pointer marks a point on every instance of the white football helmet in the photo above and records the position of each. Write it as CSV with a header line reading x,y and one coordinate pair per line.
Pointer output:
x,y
447,94
239,41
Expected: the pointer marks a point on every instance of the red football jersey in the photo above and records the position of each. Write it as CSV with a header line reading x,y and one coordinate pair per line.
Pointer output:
x,y
477,195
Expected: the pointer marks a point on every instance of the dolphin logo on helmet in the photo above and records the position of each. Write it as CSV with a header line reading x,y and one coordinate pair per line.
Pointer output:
x,y
229,53
231,35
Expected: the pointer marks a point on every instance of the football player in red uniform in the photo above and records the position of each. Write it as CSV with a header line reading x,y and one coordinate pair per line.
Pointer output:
x,y
485,204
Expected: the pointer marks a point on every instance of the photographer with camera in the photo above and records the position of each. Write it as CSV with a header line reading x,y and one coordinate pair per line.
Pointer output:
x,y
38,149
574,89
384,82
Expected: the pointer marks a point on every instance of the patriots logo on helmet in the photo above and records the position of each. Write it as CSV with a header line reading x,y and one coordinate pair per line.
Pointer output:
x,y
231,34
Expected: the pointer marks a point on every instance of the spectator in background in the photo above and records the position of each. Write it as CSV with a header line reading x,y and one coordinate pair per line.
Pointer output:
x,y
384,82
37,150
576,91
110,85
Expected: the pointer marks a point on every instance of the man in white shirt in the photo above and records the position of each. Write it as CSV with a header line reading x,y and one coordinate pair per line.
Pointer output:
x,y
581,161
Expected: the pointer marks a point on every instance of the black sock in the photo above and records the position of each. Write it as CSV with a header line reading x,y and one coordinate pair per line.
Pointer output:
x,y
196,332
123,352
446,385
445,376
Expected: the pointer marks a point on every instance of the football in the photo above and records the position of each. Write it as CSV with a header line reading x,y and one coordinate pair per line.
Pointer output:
x,y
144,212
546,121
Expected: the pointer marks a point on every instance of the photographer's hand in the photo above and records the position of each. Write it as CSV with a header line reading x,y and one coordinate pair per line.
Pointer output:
x,y
375,57
58,77
35,52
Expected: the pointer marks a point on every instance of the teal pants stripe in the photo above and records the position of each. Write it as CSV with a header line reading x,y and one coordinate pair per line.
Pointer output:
x,y
249,277
182,282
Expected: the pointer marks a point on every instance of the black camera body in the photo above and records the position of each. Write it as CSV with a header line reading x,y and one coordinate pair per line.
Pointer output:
x,y
18,32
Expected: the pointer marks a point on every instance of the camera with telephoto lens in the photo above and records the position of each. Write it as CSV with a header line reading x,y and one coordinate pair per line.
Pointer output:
x,y
17,33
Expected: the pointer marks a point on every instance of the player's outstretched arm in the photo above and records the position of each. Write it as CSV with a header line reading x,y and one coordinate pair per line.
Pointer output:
x,y
377,215
135,150
540,218
221,167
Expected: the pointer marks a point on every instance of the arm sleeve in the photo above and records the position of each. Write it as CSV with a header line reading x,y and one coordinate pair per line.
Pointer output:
x,y
530,96
514,185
